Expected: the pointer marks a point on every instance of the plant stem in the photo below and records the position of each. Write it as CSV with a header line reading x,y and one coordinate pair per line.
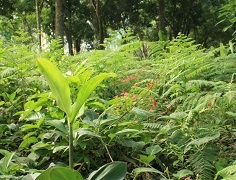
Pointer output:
x,y
71,151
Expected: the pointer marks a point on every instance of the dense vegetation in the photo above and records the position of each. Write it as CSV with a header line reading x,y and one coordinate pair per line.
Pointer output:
x,y
137,106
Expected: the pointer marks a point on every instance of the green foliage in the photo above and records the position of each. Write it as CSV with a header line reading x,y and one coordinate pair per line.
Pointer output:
x,y
228,15
169,113
227,173
58,84
114,170
60,173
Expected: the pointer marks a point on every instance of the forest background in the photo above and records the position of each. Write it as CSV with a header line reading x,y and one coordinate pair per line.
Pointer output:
x,y
137,89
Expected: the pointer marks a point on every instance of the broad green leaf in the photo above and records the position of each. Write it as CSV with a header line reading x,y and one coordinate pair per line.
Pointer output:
x,y
59,125
2,102
7,160
183,173
144,169
141,113
111,171
231,114
57,83
4,152
27,127
60,148
230,177
127,131
40,145
229,170
153,150
203,140
27,142
60,173
82,132
146,159
132,143
86,89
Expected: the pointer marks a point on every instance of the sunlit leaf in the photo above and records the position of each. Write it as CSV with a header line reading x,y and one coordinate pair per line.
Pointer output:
x,y
59,148
27,142
7,160
127,131
85,91
183,173
58,84
153,150
144,169
60,173
146,159
111,171
59,124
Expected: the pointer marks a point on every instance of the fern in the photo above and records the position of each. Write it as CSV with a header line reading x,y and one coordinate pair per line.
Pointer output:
x,y
8,71
152,125
202,161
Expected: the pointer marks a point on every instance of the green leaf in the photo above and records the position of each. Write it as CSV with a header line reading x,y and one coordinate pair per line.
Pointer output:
x,y
59,125
85,91
2,102
82,132
7,160
60,173
144,169
183,173
141,113
26,142
57,83
60,148
229,170
127,131
153,150
115,170
203,140
132,143
146,159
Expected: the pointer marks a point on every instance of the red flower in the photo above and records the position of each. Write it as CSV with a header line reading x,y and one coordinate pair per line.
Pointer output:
x,y
154,103
149,85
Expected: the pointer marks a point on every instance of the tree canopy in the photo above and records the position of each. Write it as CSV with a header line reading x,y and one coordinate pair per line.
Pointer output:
x,y
90,21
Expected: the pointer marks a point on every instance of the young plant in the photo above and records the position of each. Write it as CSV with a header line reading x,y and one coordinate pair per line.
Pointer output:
x,y
62,92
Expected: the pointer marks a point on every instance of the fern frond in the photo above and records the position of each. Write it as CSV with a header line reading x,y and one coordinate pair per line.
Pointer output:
x,y
152,125
7,72
202,161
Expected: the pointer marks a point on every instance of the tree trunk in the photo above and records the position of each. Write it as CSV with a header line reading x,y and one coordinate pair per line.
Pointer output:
x,y
69,30
96,4
100,24
77,44
59,18
38,24
162,30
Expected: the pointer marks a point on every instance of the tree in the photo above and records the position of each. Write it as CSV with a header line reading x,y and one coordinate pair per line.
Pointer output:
x,y
162,27
96,6
38,23
228,14
59,20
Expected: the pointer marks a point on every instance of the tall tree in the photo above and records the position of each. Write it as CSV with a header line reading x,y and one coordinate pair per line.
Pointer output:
x,y
96,6
38,24
59,20
162,26
68,28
